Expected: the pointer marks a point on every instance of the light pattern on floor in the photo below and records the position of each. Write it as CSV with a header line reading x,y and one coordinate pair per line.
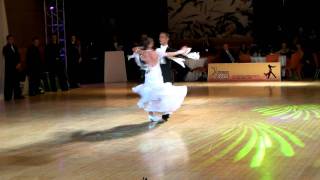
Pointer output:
x,y
294,112
256,139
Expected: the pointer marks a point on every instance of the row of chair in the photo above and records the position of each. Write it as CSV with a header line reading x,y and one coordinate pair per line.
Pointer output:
x,y
293,65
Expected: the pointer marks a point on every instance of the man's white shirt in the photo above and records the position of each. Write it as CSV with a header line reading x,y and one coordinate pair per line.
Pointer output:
x,y
162,50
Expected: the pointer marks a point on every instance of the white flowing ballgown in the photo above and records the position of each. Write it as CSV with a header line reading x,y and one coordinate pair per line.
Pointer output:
x,y
157,96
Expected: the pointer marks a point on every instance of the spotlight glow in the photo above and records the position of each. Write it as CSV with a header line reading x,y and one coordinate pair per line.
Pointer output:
x,y
286,112
254,139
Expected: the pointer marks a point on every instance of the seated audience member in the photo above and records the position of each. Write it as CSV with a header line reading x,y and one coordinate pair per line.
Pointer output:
x,y
244,54
284,51
294,66
245,58
299,50
316,58
272,57
226,56
254,51
308,62
244,50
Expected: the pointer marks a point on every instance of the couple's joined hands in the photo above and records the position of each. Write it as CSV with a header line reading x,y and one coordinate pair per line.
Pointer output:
x,y
184,50
136,49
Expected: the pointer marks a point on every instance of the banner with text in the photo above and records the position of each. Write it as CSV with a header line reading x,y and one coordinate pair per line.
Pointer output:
x,y
244,72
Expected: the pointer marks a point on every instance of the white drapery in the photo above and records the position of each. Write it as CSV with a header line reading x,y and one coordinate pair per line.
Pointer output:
x,y
3,34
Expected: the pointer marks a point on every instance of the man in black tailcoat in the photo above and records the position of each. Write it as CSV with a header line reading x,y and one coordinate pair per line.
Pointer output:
x,y
74,58
12,62
167,65
55,65
34,67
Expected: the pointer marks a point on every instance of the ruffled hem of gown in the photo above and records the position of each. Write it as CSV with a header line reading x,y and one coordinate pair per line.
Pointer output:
x,y
163,98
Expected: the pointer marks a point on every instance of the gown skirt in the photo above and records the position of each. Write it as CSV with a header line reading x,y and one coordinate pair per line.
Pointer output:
x,y
157,96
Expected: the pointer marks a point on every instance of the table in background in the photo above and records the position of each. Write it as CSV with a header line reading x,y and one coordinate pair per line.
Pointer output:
x,y
192,64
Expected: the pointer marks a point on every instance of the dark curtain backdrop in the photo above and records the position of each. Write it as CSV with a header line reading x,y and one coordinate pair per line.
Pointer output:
x,y
289,15
25,20
98,20
3,34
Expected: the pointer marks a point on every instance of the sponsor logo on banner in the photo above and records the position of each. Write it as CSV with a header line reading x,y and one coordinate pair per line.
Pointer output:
x,y
244,72
220,75
270,67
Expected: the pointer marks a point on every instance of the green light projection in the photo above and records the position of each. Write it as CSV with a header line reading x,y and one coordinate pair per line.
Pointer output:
x,y
287,112
253,139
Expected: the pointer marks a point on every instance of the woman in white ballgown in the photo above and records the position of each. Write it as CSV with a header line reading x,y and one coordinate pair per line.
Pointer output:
x,y
157,97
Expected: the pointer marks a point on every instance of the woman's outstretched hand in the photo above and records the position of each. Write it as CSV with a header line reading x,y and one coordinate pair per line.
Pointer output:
x,y
134,49
184,50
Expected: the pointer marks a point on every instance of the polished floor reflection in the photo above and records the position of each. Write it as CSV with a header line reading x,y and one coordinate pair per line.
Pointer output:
x,y
223,131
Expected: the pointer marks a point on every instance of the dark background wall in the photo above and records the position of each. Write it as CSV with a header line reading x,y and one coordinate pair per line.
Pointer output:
x,y
99,20
25,20
269,15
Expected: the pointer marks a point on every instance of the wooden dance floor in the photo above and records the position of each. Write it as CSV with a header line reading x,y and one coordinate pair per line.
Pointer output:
x,y
223,131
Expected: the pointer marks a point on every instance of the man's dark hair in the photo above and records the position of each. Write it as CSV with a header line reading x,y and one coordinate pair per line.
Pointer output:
x,y
54,34
9,36
35,38
167,34
147,42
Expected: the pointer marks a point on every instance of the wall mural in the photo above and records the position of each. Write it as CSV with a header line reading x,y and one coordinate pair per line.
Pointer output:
x,y
209,18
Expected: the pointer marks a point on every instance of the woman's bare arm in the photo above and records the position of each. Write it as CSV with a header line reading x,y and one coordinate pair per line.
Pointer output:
x,y
181,51
137,50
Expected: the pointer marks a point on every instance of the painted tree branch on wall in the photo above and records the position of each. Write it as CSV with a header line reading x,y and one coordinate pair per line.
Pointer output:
x,y
212,18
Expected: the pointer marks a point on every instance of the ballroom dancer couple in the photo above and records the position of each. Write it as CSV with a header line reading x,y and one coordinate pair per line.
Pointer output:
x,y
158,96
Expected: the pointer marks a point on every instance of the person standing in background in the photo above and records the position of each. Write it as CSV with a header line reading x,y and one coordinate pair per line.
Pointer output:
x,y
116,44
244,50
285,51
12,66
34,67
55,65
74,58
226,56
